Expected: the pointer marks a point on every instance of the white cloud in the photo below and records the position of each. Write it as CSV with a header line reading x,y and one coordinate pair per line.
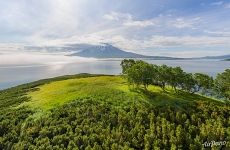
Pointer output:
x,y
180,23
153,42
10,47
189,54
62,20
143,23
218,3
186,23
58,22
128,20
117,16
218,33
169,41
22,59
37,21
146,46
198,41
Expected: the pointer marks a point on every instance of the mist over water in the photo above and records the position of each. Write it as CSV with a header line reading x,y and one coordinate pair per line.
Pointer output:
x,y
36,58
22,68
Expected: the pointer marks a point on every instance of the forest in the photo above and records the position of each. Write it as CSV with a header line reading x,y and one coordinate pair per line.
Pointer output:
x,y
148,107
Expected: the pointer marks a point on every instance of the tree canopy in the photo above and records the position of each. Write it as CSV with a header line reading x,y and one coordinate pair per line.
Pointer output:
x,y
222,83
139,73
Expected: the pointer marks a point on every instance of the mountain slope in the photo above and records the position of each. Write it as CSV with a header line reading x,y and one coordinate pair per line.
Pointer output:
x,y
109,51
106,51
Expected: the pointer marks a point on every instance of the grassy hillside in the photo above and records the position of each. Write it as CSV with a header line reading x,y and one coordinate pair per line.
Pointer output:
x,y
113,89
102,112
60,92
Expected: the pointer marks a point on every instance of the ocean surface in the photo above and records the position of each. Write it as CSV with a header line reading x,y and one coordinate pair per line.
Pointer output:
x,y
12,75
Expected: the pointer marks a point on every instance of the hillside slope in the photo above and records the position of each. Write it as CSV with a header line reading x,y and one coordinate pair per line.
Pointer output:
x,y
106,51
110,51
102,112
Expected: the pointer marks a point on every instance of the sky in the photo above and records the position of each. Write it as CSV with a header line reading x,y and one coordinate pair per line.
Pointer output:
x,y
179,28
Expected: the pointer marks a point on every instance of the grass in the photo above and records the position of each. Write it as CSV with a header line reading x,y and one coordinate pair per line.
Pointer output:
x,y
108,89
59,92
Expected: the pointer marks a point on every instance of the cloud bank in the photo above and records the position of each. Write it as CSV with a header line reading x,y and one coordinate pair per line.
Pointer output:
x,y
152,27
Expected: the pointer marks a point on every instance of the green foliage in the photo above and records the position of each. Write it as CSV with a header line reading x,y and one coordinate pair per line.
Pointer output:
x,y
204,82
175,78
126,64
163,76
189,83
141,73
222,84
102,113
91,124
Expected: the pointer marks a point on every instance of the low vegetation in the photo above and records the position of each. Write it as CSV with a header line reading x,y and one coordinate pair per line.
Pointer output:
x,y
107,112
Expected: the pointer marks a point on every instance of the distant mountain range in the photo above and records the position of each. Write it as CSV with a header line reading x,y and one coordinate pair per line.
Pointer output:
x,y
110,51
223,57
107,51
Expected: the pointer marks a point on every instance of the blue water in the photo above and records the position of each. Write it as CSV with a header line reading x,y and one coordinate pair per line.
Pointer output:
x,y
15,75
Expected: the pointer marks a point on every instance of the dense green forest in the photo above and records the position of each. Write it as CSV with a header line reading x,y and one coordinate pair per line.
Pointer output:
x,y
148,107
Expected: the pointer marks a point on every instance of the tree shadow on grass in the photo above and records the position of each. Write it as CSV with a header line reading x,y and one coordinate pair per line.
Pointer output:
x,y
165,98
178,100
143,92
191,97
148,94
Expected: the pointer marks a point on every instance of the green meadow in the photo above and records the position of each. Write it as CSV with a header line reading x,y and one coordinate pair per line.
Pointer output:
x,y
57,93
111,89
